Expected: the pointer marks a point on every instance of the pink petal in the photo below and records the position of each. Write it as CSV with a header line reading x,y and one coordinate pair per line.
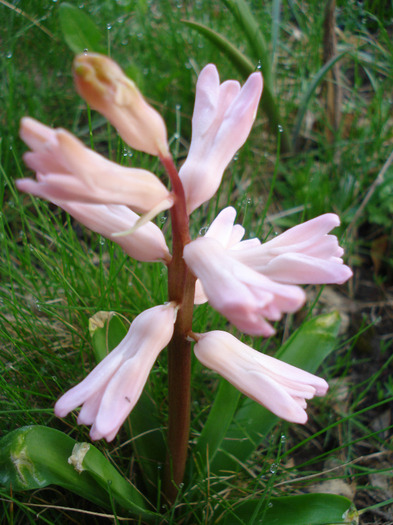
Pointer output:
x,y
278,386
147,243
239,293
218,111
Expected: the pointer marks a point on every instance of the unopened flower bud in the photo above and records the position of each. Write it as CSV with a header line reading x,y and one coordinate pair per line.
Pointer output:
x,y
105,87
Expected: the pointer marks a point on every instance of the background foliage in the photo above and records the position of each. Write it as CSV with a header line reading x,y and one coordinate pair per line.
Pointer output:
x,y
55,274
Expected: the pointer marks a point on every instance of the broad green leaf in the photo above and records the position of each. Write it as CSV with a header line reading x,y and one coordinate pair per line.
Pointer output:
x,y
308,346
79,30
305,509
246,67
148,438
240,61
247,22
107,329
35,456
216,426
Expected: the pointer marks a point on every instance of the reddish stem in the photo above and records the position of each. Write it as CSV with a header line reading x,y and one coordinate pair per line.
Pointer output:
x,y
181,287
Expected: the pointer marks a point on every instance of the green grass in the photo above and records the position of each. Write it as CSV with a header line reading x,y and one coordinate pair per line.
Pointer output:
x,y
55,274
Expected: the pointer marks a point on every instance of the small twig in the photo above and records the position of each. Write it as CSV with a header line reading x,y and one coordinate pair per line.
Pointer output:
x,y
59,507
32,20
344,465
371,190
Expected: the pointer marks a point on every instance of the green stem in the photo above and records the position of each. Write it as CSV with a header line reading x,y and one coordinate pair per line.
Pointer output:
x,y
181,288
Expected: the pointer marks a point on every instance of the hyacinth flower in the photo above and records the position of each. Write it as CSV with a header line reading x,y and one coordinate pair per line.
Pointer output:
x,y
278,386
222,120
105,87
245,280
111,390
305,254
68,171
146,244
241,294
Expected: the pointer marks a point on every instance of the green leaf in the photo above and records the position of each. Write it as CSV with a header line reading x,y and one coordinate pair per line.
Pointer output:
x,y
79,30
308,346
310,90
107,330
148,438
240,61
247,22
216,426
305,509
35,456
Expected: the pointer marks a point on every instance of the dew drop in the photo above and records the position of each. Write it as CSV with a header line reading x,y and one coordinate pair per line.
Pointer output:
x,y
163,219
109,26
85,51
283,438
280,128
259,66
203,230
9,54
273,468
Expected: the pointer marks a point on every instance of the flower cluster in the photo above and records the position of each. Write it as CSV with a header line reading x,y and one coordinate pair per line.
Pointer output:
x,y
249,282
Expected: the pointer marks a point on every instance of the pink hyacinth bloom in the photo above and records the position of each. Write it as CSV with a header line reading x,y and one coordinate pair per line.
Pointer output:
x,y
229,235
280,387
146,244
67,170
304,254
111,390
105,87
222,120
241,294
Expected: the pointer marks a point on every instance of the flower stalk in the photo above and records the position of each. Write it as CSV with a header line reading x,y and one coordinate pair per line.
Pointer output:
x,y
181,288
